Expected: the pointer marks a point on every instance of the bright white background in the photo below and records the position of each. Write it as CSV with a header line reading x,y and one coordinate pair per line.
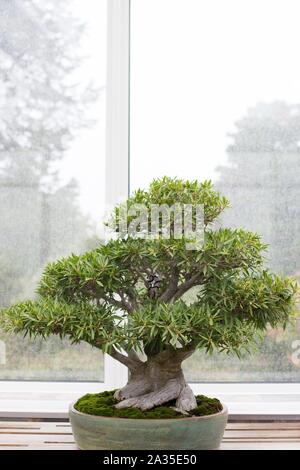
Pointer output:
x,y
85,159
196,67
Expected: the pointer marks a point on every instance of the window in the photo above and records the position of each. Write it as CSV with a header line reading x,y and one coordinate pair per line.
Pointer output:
x,y
215,95
52,163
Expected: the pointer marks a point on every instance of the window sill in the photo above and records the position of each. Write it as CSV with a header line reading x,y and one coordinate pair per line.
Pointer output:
x,y
42,400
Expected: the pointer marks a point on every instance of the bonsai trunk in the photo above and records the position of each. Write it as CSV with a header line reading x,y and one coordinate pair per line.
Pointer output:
x,y
157,381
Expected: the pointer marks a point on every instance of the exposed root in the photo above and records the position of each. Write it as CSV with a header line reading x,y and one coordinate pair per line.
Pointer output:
x,y
145,402
186,400
157,381
180,411
133,389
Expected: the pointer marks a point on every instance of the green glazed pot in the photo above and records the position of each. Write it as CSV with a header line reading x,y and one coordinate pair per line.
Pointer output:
x,y
106,433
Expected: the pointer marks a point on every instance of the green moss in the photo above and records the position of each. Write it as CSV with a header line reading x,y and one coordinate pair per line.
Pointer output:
x,y
207,406
102,404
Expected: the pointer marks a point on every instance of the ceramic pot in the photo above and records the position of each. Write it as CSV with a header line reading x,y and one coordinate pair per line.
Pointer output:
x,y
107,433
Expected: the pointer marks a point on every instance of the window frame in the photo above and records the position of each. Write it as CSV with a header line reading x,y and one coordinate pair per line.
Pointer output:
x,y
50,399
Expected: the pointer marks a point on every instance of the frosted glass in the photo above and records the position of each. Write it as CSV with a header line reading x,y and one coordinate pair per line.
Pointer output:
x,y
52,155
215,95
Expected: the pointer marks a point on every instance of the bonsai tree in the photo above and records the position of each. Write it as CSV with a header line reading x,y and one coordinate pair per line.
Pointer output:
x,y
151,302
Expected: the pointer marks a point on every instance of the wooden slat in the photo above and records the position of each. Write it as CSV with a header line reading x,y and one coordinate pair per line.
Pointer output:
x,y
35,438
34,428
260,446
35,422
41,447
35,431
50,435
261,433
53,447
14,446
260,425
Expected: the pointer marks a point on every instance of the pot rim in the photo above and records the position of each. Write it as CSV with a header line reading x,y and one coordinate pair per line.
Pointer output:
x,y
223,412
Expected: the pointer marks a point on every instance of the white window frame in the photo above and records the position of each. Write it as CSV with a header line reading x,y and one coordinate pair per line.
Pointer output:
x,y
51,399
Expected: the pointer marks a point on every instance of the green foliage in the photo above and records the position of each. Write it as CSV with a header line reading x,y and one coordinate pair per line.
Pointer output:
x,y
170,191
227,315
103,404
80,322
180,325
88,297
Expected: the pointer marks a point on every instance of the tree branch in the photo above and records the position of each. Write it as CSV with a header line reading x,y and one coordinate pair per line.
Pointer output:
x,y
134,356
178,355
195,280
130,362
122,304
167,295
186,352
125,304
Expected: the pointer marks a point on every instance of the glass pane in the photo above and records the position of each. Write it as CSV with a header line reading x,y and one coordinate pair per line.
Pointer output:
x,y
52,155
215,95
